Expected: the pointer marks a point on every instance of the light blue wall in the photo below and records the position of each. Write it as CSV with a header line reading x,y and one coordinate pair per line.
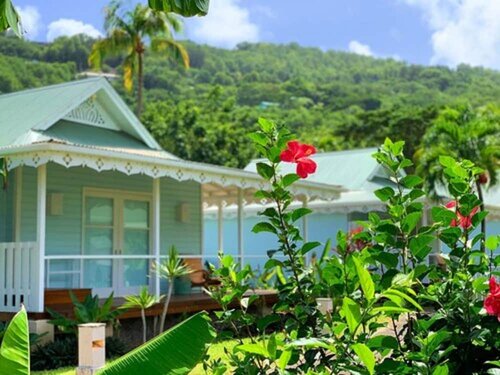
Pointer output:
x,y
321,227
63,234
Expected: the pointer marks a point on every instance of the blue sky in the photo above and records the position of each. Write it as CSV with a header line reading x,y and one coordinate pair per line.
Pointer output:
x,y
446,32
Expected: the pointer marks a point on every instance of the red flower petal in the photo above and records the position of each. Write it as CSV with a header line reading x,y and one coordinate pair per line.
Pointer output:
x,y
287,156
305,167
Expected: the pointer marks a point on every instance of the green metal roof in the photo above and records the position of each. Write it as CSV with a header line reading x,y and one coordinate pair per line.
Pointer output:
x,y
78,134
352,169
29,116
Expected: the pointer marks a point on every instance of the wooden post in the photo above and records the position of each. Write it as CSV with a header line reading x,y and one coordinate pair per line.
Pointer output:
x,y
240,226
40,234
156,232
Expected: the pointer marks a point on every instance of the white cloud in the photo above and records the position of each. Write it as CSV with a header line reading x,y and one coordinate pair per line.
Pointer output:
x,y
464,31
30,20
227,24
69,27
360,48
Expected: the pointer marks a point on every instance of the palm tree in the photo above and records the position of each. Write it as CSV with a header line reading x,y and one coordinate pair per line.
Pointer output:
x,y
143,301
127,33
462,133
170,269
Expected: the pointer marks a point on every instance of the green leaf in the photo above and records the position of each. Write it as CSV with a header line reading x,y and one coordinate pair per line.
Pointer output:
x,y
265,170
440,370
308,246
258,349
411,181
176,351
404,296
492,242
447,161
419,245
264,227
289,179
365,279
410,221
284,358
266,125
15,349
365,355
442,215
383,342
186,8
352,314
385,193
300,212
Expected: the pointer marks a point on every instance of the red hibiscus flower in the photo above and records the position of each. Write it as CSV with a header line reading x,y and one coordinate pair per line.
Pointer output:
x,y
465,222
355,244
299,153
492,300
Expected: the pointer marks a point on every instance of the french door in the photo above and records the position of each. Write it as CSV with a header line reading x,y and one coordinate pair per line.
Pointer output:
x,y
117,231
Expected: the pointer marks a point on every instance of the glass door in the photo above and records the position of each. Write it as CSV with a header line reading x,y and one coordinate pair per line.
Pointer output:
x,y
116,224
135,240
99,239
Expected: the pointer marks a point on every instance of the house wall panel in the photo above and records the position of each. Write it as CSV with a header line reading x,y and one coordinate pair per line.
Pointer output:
x,y
64,231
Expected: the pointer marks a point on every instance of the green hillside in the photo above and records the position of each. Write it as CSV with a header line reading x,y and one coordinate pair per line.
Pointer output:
x,y
336,100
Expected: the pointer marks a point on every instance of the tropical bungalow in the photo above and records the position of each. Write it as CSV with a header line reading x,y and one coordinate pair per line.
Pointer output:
x,y
91,199
355,170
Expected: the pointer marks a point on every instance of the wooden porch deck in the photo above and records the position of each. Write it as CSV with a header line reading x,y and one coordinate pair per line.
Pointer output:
x,y
59,300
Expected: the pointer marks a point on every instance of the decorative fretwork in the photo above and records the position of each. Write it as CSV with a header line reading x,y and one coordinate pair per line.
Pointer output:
x,y
186,172
88,113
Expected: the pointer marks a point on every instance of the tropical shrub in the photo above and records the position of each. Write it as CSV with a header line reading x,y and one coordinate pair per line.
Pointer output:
x,y
169,270
392,312
88,311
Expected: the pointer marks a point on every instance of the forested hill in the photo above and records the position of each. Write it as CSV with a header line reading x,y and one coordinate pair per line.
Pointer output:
x,y
335,99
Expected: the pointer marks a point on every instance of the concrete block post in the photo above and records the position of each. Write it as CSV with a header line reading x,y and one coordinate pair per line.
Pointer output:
x,y
44,329
91,348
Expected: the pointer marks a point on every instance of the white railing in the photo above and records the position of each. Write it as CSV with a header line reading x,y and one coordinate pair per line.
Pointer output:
x,y
18,275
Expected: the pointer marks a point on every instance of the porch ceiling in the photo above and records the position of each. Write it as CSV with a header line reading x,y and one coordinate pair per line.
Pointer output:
x,y
219,183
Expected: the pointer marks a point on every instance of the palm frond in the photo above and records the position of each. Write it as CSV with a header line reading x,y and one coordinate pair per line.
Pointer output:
x,y
174,49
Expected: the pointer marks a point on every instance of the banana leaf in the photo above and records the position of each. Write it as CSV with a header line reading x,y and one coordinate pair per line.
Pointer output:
x,y
186,8
15,349
176,351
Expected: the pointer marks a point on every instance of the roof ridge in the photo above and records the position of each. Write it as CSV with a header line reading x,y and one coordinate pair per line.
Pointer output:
x,y
50,87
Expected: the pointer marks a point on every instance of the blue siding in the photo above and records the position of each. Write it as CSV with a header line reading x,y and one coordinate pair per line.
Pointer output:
x,y
321,227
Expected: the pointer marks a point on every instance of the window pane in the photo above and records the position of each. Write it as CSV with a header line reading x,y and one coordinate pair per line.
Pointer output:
x,y
135,272
136,214
136,241
99,211
98,241
97,273
63,273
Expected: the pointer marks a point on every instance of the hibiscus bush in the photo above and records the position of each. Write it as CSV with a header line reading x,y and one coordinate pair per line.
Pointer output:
x,y
374,303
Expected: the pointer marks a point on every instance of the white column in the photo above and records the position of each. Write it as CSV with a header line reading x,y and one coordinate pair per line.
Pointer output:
x,y
220,226
156,232
40,233
18,203
305,226
240,226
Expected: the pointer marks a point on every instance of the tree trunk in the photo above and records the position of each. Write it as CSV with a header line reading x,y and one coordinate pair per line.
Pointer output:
x,y
165,305
140,82
483,222
144,328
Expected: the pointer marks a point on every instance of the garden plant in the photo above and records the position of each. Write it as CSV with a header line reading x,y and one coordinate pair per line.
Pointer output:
x,y
394,312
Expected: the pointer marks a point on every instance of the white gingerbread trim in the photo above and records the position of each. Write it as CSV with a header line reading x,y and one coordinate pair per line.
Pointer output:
x,y
155,167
